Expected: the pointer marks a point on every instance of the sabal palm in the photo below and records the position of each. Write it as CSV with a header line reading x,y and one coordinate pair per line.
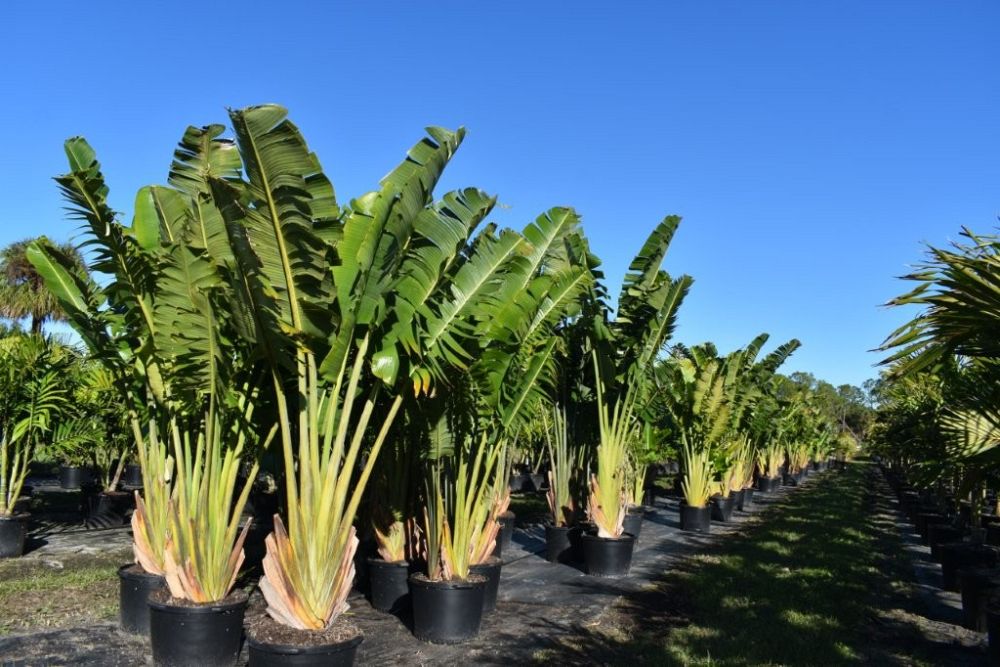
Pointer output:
x,y
23,293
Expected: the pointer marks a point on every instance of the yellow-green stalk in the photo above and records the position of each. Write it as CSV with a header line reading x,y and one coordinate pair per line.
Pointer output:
x,y
697,481
607,502
309,566
559,495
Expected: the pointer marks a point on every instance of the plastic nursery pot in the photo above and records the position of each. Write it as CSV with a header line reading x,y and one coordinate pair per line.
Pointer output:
x,y
116,504
977,583
608,556
746,500
696,519
958,555
491,571
559,542
447,612
722,508
633,522
388,584
288,647
938,534
187,635
992,535
768,484
135,586
132,476
13,530
737,497
537,481
576,540
72,477
506,521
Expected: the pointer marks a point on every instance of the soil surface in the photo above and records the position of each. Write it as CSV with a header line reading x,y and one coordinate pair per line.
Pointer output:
x,y
556,614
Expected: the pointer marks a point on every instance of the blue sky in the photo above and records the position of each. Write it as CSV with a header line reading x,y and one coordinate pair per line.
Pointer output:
x,y
810,146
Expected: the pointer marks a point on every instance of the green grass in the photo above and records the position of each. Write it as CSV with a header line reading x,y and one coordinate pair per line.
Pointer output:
x,y
800,587
793,590
76,590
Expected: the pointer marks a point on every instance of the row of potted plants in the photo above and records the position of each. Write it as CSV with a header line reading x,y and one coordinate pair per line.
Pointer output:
x,y
393,356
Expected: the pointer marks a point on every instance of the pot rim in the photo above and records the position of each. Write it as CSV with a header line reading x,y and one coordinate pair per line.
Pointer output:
x,y
684,506
624,537
209,608
23,516
551,526
124,574
376,560
491,563
289,649
419,579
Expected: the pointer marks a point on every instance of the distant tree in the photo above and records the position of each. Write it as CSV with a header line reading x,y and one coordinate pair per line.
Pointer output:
x,y
22,291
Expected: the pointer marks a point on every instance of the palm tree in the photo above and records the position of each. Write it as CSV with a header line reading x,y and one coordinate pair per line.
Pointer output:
x,y
22,290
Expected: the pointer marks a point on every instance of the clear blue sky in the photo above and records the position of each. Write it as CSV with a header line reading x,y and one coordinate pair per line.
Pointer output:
x,y
810,146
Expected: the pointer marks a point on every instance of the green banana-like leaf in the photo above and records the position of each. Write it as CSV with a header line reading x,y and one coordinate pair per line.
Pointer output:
x,y
202,156
287,195
187,323
115,252
80,299
162,215
377,232
644,269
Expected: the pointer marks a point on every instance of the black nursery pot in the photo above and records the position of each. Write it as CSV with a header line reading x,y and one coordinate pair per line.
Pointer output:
x,y
633,522
746,500
737,497
977,583
210,634
608,556
118,503
696,519
388,584
722,508
135,585
132,475
447,612
537,481
324,655
491,571
73,477
13,530
559,543
958,555
768,484
506,521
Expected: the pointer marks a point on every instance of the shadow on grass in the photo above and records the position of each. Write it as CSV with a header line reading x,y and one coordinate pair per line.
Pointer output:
x,y
810,584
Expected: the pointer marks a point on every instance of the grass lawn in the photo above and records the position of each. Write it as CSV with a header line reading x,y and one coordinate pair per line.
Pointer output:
x,y
44,594
809,584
